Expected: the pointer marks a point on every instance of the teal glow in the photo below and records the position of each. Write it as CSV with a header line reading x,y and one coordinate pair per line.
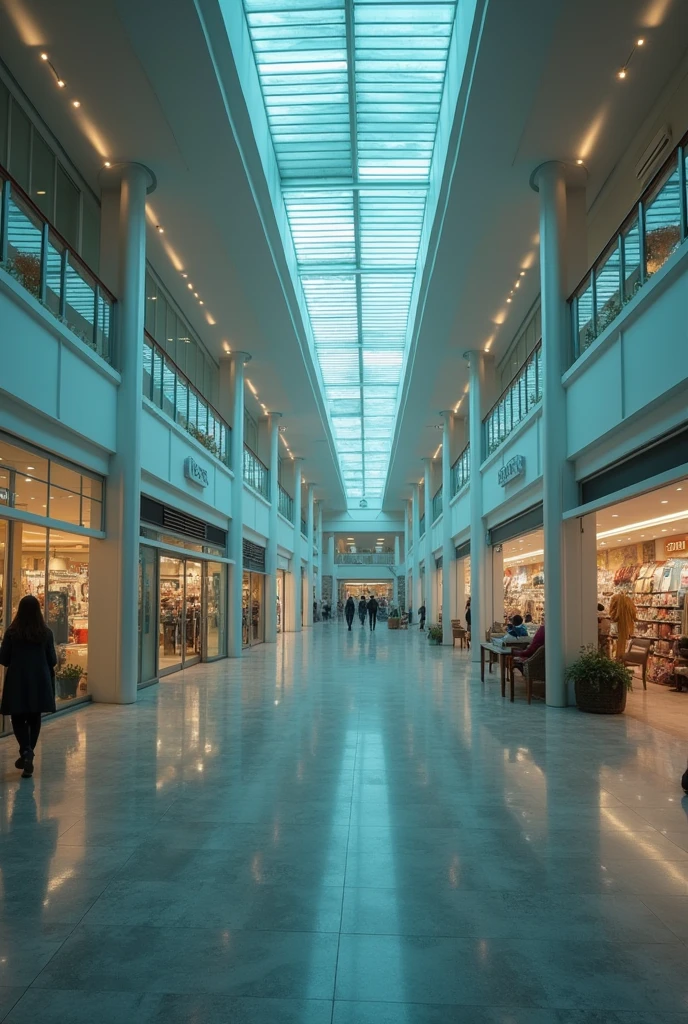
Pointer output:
x,y
352,90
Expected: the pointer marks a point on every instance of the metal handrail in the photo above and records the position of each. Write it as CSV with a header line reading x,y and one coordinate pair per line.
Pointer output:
x,y
522,394
217,441
421,525
256,473
461,470
43,269
364,558
285,504
304,527
627,261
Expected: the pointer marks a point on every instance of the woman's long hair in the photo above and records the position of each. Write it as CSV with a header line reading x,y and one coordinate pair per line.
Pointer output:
x,y
28,624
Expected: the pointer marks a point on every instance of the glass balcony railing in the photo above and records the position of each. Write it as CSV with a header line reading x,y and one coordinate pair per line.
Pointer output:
x,y
168,388
437,504
652,231
38,257
421,526
515,402
461,470
256,473
286,504
304,527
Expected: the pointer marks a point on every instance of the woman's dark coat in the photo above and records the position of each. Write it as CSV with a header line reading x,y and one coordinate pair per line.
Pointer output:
x,y
29,675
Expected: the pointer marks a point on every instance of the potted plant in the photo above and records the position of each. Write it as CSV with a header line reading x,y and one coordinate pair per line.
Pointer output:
x,y
435,635
601,683
67,679
393,619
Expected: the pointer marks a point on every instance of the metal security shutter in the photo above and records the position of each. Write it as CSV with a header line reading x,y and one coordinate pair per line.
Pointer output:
x,y
667,453
254,556
525,523
167,518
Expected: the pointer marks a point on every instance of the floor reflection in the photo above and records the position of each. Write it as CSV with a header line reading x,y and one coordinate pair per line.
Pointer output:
x,y
348,827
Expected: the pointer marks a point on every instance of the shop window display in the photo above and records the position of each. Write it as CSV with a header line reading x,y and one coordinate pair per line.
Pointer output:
x,y
252,619
524,578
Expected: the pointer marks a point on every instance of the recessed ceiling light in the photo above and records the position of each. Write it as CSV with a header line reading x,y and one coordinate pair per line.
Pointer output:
x,y
190,286
200,302
107,164
621,73
615,515
29,467
40,192
664,530
508,300
522,274
679,488
640,42
664,501
195,295
44,56
60,83
161,231
76,104
184,275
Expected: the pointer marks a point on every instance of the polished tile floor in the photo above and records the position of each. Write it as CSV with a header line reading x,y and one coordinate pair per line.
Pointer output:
x,y
344,828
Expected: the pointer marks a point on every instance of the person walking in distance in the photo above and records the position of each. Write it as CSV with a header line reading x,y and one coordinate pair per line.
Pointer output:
x,y
362,609
372,612
421,616
28,654
349,611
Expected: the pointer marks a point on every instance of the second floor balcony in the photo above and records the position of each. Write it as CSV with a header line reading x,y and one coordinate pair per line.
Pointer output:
x,y
520,396
461,470
36,255
437,504
286,504
256,473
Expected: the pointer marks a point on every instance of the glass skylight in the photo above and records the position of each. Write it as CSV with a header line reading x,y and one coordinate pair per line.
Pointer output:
x,y
352,90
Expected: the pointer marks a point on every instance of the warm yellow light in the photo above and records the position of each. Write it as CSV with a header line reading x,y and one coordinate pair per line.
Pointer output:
x,y
161,231
189,285
107,163
621,73
640,42
200,302
76,103
44,56
508,300
579,162
60,83
522,274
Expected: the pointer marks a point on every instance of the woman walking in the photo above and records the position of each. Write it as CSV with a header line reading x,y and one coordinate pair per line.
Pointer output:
x,y
349,611
28,654
362,610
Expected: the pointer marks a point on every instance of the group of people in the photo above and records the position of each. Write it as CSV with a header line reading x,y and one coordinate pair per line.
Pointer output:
x,y
366,608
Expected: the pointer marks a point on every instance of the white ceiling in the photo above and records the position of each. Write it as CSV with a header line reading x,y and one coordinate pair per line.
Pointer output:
x,y
545,75
159,93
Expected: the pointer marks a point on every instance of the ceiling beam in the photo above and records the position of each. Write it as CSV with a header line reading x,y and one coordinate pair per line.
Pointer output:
x,y
347,185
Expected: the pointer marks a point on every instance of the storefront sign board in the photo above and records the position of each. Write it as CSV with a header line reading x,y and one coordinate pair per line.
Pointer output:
x,y
676,545
511,469
197,474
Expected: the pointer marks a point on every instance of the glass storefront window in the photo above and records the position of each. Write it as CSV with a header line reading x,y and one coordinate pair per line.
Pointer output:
x,y
192,629
171,613
148,642
252,618
281,591
216,605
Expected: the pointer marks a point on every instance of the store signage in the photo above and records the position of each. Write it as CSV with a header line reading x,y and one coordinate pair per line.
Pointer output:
x,y
675,545
4,495
513,468
197,474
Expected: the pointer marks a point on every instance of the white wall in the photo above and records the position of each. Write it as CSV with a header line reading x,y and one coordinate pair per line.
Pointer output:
x,y
46,368
639,362
256,512
164,448
526,440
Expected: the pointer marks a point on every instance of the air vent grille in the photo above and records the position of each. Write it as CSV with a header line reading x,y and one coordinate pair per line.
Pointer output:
x,y
654,154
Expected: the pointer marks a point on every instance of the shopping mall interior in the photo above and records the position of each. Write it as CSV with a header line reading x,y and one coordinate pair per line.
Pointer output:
x,y
304,301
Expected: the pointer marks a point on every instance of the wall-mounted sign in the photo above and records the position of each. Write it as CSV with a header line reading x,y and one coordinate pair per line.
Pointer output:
x,y
197,474
513,468
676,545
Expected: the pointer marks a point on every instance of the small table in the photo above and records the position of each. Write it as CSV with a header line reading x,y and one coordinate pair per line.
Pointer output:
x,y
506,664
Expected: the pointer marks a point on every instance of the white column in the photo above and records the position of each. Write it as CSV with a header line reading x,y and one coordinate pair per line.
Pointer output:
x,y
397,569
448,559
271,548
497,585
310,534
479,616
297,601
416,598
429,596
113,620
319,548
557,473
232,384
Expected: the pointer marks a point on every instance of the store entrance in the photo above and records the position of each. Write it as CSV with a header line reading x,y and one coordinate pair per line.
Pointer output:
x,y
381,589
523,571
180,613
252,609
642,584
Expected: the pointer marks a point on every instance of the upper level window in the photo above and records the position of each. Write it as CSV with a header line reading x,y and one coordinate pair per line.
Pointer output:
x,y
527,337
31,161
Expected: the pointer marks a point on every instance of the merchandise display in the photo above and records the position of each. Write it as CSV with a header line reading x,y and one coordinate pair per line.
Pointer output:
x,y
658,592
524,590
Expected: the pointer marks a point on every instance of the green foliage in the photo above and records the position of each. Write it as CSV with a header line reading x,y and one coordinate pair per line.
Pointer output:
x,y
598,671
69,673
435,633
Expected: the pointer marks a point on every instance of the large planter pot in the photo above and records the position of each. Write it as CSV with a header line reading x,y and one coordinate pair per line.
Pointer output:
x,y
600,701
66,688
392,623
434,643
